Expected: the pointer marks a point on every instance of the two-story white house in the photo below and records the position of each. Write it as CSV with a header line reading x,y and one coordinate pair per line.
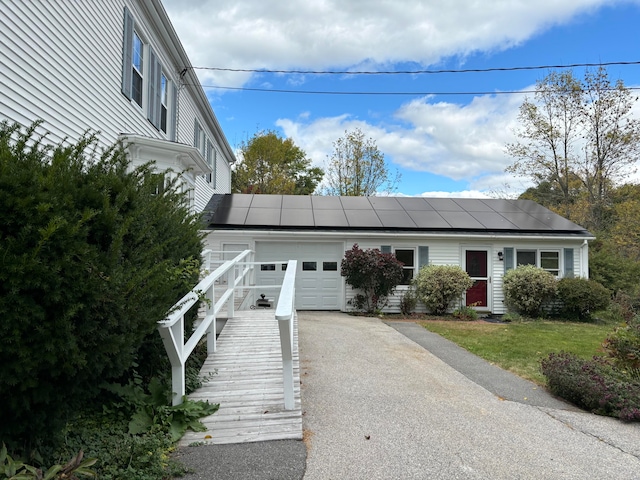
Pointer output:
x,y
117,68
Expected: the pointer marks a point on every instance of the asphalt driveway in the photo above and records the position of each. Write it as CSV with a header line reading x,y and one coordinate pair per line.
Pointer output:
x,y
376,405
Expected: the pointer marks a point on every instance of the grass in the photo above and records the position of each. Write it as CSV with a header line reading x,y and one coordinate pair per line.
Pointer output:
x,y
519,347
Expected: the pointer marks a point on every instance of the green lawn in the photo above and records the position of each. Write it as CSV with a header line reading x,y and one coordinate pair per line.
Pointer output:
x,y
519,347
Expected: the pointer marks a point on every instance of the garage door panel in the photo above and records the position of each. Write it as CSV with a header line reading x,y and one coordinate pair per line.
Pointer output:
x,y
318,281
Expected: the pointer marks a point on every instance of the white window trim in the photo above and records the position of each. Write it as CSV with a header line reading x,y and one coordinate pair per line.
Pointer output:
x,y
538,253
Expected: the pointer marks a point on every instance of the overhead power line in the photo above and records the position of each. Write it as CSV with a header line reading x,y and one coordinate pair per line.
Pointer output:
x,y
418,72
331,92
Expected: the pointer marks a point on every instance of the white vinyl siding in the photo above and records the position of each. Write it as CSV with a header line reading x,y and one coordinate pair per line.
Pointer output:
x,y
77,82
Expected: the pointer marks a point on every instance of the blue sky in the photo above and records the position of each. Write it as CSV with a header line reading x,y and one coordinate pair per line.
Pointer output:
x,y
446,145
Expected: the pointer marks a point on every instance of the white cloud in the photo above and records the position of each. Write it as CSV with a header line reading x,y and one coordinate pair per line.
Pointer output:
x,y
461,142
336,33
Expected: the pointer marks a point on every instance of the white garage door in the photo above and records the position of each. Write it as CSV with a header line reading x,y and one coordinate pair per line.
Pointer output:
x,y
318,281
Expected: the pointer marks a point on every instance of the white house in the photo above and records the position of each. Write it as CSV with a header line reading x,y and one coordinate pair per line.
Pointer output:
x,y
116,67
485,237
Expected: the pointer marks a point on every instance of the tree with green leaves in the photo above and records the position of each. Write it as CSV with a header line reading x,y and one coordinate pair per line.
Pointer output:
x,y
271,164
578,138
357,168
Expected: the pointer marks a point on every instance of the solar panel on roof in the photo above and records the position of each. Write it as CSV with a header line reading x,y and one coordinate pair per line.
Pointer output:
x,y
402,213
462,220
263,216
444,205
413,203
299,217
266,201
385,203
427,219
330,218
356,203
326,203
296,201
493,221
362,218
395,219
473,205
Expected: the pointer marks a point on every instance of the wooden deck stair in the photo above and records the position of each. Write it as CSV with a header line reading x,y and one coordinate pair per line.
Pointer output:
x,y
248,384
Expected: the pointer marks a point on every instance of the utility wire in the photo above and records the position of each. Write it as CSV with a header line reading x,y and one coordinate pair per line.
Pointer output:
x,y
417,72
329,92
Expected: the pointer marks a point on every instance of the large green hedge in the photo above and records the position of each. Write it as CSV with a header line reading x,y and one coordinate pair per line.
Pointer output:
x,y
92,254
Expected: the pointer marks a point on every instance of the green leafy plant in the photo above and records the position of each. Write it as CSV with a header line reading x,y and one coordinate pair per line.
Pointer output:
x,y
15,470
93,255
580,298
375,273
623,347
527,288
438,286
408,302
465,313
151,411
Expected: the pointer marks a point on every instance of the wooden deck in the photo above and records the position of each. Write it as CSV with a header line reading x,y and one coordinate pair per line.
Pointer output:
x,y
248,384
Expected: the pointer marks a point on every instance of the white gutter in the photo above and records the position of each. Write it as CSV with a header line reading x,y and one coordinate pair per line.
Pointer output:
x,y
368,234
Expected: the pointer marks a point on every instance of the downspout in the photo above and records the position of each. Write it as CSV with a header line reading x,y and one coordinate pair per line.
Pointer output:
x,y
584,261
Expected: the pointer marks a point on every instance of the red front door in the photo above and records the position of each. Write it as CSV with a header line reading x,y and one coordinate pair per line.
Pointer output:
x,y
476,267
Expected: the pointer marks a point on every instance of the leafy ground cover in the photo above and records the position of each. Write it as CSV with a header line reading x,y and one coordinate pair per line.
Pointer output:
x,y
520,346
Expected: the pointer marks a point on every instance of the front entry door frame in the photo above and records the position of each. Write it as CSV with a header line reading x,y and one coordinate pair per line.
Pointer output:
x,y
480,274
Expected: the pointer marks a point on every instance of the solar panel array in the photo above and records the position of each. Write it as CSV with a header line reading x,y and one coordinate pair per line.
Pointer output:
x,y
384,213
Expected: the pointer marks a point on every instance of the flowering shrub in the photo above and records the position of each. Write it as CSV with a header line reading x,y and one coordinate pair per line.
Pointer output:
x,y
375,273
438,286
526,289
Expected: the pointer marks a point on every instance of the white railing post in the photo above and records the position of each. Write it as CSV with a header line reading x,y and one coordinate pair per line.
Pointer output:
x,y
284,316
172,338
210,298
231,283
172,328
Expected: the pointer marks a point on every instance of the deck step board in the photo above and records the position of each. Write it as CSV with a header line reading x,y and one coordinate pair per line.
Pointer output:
x,y
244,376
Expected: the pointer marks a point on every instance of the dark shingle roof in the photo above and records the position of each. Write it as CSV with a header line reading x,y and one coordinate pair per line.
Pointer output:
x,y
385,213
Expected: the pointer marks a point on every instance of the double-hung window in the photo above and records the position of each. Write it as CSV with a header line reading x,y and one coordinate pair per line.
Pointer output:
x,y
406,256
548,260
145,82
164,97
137,69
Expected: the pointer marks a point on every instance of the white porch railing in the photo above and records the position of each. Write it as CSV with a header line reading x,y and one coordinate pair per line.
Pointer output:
x,y
284,315
172,328
229,276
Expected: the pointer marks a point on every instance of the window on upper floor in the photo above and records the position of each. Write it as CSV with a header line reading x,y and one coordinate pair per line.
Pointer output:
x,y
145,82
137,69
164,96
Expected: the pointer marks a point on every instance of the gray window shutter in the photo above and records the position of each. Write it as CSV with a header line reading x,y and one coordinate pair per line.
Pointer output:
x,y
155,74
196,134
173,113
568,263
127,53
508,259
214,163
423,256
385,248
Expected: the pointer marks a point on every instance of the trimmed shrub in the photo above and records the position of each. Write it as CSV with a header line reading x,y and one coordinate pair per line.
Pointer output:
x,y
580,298
408,302
439,286
594,385
94,253
623,346
527,288
375,273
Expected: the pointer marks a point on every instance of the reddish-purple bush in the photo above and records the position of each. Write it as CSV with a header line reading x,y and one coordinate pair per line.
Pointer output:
x,y
375,273
594,385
